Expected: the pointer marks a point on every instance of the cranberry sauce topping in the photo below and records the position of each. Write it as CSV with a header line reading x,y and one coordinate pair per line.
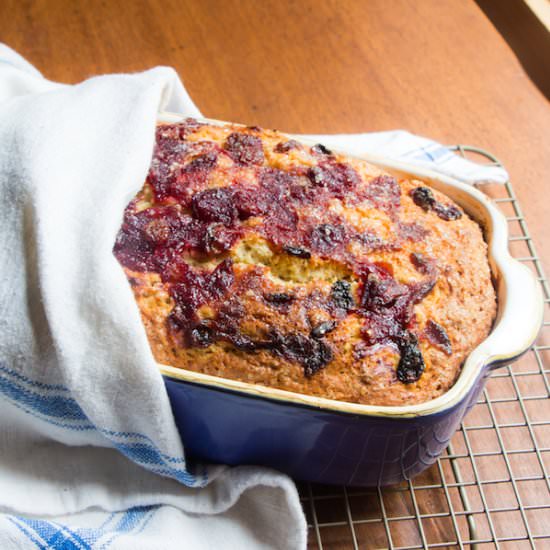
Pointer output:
x,y
388,308
384,192
195,218
437,335
167,175
196,288
154,239
423,197
335,178
215,205
244,148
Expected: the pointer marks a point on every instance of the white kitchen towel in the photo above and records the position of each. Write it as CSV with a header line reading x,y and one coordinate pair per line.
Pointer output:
x,y
85,423
89,452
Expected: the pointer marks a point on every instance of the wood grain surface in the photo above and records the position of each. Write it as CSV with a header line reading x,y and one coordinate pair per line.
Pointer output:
x,y
435,67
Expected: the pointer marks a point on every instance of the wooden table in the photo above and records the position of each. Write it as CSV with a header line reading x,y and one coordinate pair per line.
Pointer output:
x,y
435,67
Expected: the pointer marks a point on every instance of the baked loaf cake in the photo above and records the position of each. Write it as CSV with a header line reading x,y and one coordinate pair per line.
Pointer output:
x,y
256,258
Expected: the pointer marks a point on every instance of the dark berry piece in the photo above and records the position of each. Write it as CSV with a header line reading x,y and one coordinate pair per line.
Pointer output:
x,y
312,354
131,247
279,298
298,252
341,295
286,146
244,343
143,233
244,148
381,291
274,184
227,323
411,364
339,179
438,336
320,148
447,212
281,226
196,287
321,356
215,205
423,197
200,336
323,328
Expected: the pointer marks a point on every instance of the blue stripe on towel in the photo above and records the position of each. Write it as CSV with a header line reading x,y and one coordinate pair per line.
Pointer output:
x,y
29,533
44,401
19,376
54,406
432,152
51,535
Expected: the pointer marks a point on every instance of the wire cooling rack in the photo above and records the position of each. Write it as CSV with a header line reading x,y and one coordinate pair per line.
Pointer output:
x,y
490,489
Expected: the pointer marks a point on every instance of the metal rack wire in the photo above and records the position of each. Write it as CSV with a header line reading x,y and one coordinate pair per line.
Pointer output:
x,y
491,488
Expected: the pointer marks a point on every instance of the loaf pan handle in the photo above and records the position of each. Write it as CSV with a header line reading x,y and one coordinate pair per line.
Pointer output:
x,y
520,317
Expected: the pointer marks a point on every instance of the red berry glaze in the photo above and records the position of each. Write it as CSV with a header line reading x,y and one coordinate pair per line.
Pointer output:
x,y
193,217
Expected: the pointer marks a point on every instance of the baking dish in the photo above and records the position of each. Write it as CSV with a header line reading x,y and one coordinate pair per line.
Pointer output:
x,y
328,441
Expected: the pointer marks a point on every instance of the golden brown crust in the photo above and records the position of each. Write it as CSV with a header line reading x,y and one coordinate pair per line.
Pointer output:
x,y
451,252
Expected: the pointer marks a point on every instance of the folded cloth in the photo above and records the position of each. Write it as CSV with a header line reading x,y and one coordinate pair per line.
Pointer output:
x,y
85,423
90,456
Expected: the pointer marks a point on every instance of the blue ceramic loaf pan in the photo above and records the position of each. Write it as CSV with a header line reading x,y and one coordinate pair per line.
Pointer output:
x,y
326,441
